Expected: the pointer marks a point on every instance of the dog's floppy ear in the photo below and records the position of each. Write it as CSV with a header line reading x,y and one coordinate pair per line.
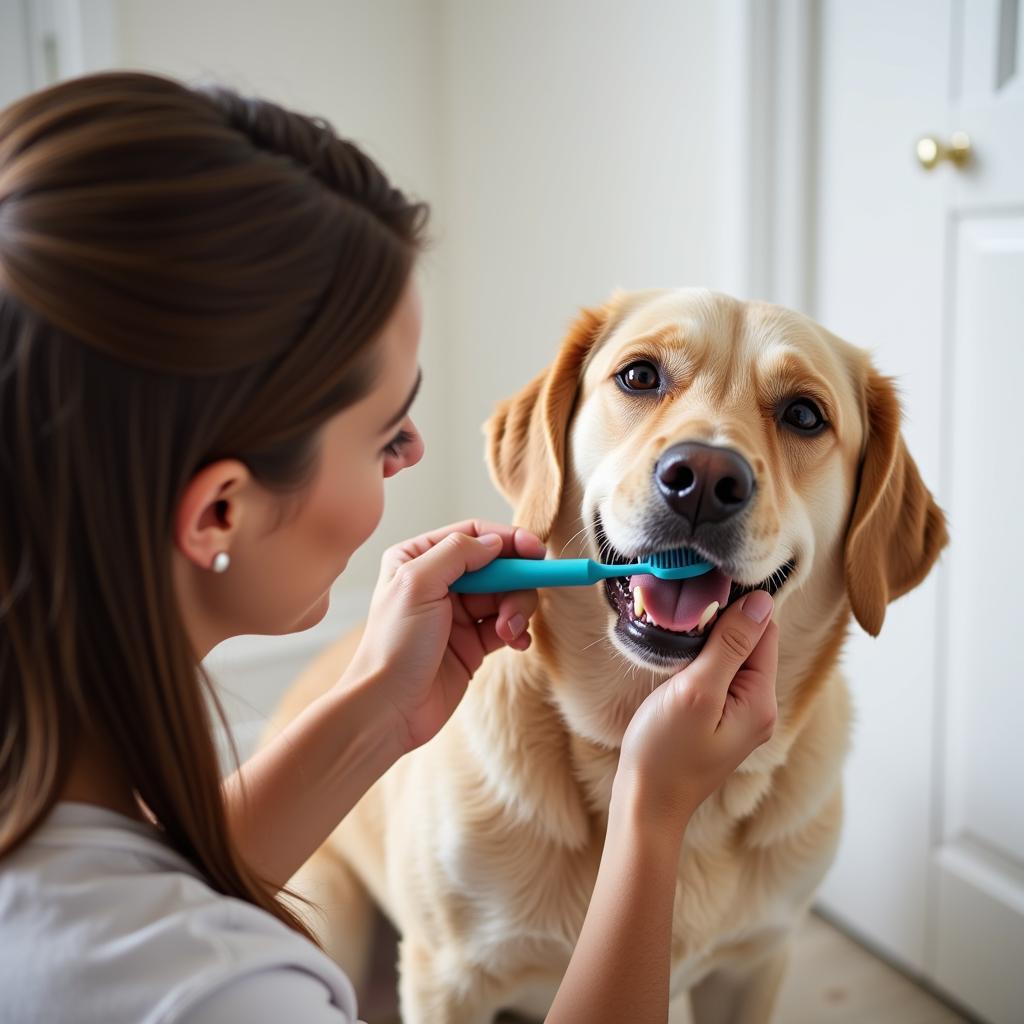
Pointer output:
x,y
896,530
527,434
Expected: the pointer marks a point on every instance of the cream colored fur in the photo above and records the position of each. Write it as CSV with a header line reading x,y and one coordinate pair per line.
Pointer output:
x,y
482,846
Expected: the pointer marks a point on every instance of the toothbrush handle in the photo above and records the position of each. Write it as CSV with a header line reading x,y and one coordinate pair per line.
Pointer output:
x,y
526,574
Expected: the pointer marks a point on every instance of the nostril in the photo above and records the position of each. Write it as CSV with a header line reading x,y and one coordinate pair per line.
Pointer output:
x,y
678,477
730,492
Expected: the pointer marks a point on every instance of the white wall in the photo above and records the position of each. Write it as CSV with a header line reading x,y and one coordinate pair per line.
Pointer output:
x,y
15,68
579,154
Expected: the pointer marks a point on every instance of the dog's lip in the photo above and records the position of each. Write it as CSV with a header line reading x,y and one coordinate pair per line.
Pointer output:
x,y
609,554
653,643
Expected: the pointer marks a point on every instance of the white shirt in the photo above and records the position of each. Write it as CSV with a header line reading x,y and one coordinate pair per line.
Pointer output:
x,y
101,922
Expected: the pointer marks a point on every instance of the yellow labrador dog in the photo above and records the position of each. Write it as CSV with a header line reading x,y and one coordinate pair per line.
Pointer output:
x,y
668,418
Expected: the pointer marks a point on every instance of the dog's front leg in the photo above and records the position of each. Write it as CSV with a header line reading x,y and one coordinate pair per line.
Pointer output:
x,y
430,993
744,994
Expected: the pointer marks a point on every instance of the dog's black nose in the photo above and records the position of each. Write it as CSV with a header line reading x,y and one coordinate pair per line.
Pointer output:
x,y
704,483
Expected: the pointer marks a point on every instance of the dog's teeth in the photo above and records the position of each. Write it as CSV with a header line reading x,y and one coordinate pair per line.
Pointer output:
x,y
709,614
638,601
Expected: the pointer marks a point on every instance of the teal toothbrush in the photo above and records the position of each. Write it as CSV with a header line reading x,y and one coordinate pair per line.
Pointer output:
x,y
527,573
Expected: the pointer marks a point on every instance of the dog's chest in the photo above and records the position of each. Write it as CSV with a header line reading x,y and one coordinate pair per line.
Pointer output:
x,y
730,907
723,914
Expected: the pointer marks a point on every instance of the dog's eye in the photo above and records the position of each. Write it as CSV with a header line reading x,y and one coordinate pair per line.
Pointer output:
x,y
803,415
640,376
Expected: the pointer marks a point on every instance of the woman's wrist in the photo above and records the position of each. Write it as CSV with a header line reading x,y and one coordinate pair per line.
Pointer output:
x,y
620,967
366,718
637,806
309,776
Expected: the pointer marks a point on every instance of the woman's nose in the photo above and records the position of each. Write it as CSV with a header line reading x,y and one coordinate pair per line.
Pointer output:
x,y
415,451
410,454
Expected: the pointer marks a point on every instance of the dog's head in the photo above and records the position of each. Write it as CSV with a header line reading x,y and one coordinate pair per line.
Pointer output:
x,y
743,431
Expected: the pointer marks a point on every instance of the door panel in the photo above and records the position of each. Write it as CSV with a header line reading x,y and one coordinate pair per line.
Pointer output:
x,y
978,862
988,103
985,711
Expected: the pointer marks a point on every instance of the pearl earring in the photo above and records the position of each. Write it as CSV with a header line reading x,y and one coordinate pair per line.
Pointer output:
x,y
221,561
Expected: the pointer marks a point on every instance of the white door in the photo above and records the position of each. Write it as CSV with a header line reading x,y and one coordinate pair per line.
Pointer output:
x,y
927,268
976,948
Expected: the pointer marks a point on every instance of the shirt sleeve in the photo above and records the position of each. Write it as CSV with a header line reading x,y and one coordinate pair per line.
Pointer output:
x,y
269,997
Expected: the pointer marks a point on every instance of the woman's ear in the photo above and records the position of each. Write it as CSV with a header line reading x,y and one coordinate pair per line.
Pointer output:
x,y
527,434
896,530
208,514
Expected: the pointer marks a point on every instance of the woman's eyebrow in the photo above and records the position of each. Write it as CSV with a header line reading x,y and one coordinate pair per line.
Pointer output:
x,y
401,414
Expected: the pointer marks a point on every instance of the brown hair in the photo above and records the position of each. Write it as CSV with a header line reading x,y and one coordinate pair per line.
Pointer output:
x,y
185,275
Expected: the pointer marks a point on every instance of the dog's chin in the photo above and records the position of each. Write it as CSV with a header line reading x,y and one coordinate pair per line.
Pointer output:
x,y
653,645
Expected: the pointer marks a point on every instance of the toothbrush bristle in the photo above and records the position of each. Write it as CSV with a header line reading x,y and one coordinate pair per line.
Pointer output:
x,y
674,559
677,558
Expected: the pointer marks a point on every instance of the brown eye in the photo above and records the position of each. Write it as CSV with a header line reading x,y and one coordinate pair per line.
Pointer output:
x,y
640,376
804,416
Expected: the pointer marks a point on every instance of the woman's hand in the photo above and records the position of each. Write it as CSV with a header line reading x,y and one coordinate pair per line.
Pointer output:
x,y
699,725
422,643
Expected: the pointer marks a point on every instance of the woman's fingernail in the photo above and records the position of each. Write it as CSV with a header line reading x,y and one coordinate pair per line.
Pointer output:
x,y
516,624
492,540
758,605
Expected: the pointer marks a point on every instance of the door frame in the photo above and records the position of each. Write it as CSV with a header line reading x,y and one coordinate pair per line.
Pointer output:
x,y
768,112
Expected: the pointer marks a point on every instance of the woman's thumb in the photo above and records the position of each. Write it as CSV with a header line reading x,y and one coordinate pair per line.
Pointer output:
x,y
751,707
733,639
436,570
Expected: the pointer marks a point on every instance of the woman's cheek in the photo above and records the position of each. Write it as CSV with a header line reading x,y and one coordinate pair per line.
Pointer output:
x,y
372,511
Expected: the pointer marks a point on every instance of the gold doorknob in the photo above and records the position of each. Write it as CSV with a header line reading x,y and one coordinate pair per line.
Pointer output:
x,y
932,150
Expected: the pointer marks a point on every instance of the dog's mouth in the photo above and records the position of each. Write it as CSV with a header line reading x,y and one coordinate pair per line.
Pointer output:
x,y
668,621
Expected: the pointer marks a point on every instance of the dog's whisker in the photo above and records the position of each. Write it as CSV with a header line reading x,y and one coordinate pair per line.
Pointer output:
x,y
572,538
591,644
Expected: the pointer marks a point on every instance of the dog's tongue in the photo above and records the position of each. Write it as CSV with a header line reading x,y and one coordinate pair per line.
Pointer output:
x,y
679,604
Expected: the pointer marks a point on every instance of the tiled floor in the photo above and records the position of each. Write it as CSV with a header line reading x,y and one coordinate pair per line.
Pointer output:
x,y
831,980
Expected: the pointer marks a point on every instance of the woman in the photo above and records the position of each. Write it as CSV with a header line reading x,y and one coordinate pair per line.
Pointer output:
x,y
209,326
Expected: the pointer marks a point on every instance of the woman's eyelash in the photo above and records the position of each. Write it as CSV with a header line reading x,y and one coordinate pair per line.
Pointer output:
x,y
398,442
